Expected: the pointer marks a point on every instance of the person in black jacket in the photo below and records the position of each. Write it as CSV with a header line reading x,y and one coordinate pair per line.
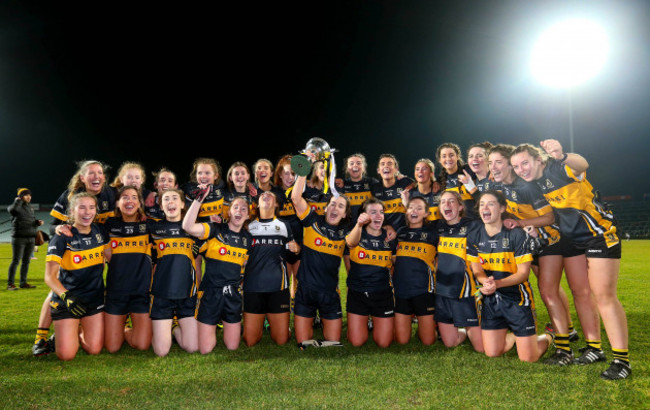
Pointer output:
x,y
23,235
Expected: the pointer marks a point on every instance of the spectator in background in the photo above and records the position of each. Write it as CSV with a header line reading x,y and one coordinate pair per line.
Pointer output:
x,y
23,234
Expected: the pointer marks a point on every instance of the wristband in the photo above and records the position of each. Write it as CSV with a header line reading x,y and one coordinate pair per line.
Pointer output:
x,y
470,186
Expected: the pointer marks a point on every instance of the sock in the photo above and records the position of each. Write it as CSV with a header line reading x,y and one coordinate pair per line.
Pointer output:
x,y
595,344
41,334
571,329
562,342
622,355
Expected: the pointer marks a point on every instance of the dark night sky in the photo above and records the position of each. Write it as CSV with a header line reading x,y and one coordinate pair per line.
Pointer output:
x,y
164,85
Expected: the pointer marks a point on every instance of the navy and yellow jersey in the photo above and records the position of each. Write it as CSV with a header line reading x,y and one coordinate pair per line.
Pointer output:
x,y
230,196
130,268
357,193
499,255
433,202
225,254
526,201
211,205
322,249
266,270
454,184
155,212
175,267
371,262
392,199
81,260
415,258
581,215
481,184
105,206
454,276
317,199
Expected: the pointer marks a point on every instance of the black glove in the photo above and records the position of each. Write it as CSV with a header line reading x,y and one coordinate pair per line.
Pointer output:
x,y
73,305
535,244
199,193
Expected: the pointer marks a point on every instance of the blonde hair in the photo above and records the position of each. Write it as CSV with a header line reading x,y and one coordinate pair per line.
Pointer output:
x,y
259,161
117,182
75,183
364,164
74,199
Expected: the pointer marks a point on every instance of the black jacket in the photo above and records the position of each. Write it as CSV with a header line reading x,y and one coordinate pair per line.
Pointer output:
x,y
23,221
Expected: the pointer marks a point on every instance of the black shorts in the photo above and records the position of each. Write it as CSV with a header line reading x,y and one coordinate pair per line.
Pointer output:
x,y
498,312
291,257
267,302
569,249
377,304
597,248
461,312
123,304
421,305
309,301
59,311
219,305
555,249
162,308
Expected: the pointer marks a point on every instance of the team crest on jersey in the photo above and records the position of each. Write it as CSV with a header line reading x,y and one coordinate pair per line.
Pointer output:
x,y
277,228
514,195
463,230
142,228
423,236
217,192
549,184
505,242
244,241
386,244
366,186
104,204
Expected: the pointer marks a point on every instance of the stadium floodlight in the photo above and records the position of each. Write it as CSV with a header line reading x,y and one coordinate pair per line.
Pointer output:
x,y
569,53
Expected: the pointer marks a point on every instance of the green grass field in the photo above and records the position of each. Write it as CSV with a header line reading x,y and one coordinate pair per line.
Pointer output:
x,y
268,376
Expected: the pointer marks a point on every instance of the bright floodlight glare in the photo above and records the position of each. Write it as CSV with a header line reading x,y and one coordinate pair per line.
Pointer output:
x,y
569,53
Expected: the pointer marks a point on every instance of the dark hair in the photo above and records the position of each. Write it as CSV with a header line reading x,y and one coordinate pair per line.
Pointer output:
x,y
120,193
459,163
501,199
348,213
504,149
372,201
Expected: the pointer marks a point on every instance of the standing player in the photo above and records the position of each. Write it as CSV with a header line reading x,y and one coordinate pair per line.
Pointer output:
x,y
413,276
427,187
449,157
389,190
73,271
370,294
528,207
206,171
456,307
501,264
589,226
90,177
477,160
284,178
